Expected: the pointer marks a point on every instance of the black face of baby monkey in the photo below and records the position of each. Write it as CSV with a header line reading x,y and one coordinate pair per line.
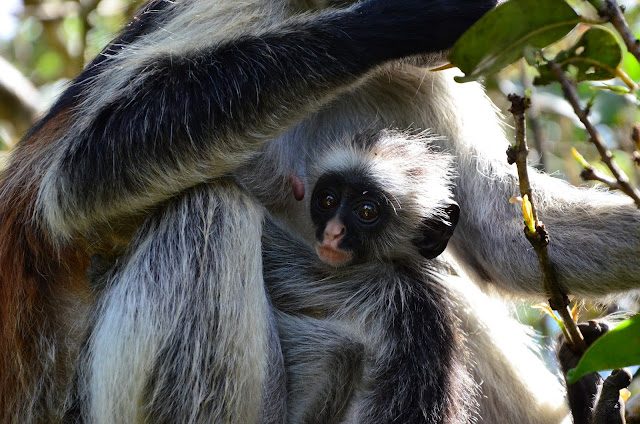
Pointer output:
x,y
346,211
350,213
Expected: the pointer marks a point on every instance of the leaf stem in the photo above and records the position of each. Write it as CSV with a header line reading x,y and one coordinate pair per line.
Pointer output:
x,y
592,21
626,79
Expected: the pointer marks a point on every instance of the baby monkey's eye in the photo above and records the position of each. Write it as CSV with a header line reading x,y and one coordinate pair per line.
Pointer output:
x,y
327,200
367,212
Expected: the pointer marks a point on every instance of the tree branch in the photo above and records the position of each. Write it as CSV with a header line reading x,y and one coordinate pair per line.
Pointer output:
x,y
540,238
611,11
591,174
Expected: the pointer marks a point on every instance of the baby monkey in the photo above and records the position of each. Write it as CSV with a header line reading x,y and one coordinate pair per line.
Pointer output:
x,y
382,345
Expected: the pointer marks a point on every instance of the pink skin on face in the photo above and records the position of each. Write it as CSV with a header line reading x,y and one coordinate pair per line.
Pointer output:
x,y
328,250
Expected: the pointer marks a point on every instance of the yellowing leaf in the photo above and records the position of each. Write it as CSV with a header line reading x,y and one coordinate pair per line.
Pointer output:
x,y
581,160
625,394
527,211
546,309
575,312
443,67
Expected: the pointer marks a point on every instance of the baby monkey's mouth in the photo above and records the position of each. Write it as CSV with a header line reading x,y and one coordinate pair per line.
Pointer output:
x,y
332,256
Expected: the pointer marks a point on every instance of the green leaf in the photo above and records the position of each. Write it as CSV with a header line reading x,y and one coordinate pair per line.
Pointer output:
x,y
595,57
501,36
618,348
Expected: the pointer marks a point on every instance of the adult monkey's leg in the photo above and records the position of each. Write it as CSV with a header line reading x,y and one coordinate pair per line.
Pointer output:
x,y
182,331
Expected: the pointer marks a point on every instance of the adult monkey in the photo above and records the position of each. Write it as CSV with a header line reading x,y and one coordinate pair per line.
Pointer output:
x,y
189,92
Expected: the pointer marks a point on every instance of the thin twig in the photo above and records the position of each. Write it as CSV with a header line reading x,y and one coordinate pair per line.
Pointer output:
x,y
519,152
570,93
635,148
539,141
591,174
540,239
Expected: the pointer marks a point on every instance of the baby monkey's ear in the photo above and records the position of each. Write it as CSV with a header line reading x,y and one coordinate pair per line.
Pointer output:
x,y
436,233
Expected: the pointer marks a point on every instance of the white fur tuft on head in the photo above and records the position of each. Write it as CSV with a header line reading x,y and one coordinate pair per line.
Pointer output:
x,y
413,174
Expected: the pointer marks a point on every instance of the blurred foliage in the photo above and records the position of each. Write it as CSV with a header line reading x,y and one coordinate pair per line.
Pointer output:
x,y
53,41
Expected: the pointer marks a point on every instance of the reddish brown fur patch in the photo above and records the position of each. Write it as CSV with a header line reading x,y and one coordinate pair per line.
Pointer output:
x,y
36,282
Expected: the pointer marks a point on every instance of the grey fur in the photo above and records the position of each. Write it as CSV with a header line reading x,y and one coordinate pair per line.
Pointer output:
x,y
324,363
